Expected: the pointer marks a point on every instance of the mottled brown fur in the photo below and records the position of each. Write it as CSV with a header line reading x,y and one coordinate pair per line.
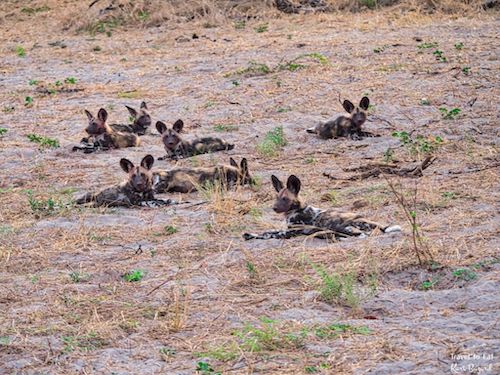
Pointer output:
x,y
306,220
137,190
141,121
186,180
177,148
102,136
345,126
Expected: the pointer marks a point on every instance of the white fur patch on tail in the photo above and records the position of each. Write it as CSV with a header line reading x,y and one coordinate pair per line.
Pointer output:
x,y
392,228
311,130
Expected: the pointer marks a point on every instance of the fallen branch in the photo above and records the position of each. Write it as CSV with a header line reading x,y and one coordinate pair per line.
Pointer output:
x,y
374,170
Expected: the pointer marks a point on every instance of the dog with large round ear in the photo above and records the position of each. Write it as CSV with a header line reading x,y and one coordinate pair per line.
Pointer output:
x,y
97,126
161,127
139,178
364,103
293,184
278,185
178,126
348,106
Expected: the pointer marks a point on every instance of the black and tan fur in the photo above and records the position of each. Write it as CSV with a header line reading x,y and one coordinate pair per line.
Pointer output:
x,y
137,190
178,148
303,219
186,180
345,126
141,121
103,137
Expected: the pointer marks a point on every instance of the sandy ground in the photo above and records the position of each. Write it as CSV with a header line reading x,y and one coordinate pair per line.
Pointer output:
x,y
65,307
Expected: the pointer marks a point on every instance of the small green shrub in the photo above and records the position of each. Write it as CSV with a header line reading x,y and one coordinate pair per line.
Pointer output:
x,y
427,45
3,131
449,114
464,274
272,143
20,51
134,276
262,28
268,335
337,287
43,141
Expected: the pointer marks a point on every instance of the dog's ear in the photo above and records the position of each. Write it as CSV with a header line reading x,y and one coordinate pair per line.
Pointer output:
x,y
143,105
233,162
102,115
293,184
161,127
147,162
132,111
278,185
364,103
348,106
90,116
244,167
126,165
178,125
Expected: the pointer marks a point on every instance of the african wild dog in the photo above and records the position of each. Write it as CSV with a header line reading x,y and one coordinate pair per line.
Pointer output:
x,y
136,191
303,219
178,148
186,180
141,118
102,136
344,126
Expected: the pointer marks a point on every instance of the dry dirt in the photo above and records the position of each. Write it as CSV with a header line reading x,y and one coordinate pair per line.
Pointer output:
x,y
209,300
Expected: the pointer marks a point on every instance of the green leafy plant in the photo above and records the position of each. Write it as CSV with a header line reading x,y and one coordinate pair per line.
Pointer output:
x,y
427,45
3,131
41,207
439,55
464,274
169,230
336,287
240,24
428,284
85,343
33,82
272,143
370,4
466,70
169,352
28,101
269,335
143,15
459,45
337,329
262,28
449,114
227,352
43,141
418,143
134,275
70,80
205,368
20,51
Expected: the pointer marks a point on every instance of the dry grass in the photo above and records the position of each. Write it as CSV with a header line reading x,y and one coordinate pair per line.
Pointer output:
x,y
205,292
